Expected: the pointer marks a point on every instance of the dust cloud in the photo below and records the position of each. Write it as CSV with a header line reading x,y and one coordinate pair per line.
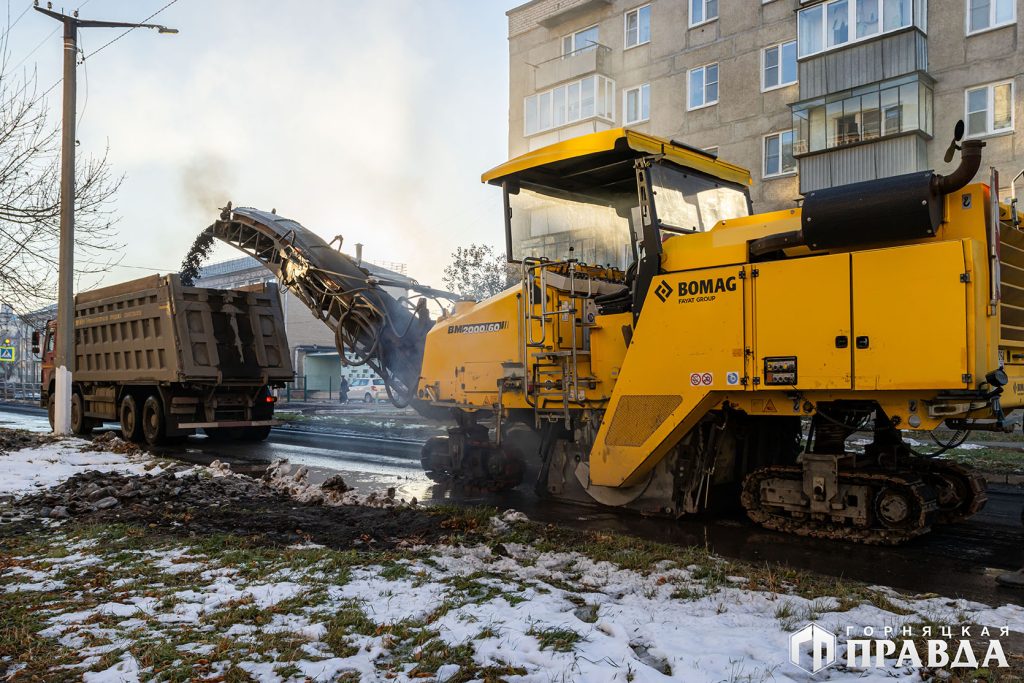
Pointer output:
x,y
205,184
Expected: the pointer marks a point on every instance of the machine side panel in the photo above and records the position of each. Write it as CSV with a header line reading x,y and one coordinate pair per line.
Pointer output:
x,y
488,332
688,344
899,345
608,349
802,316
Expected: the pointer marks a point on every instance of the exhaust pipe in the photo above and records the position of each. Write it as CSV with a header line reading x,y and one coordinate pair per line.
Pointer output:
x,y
970,162
893,209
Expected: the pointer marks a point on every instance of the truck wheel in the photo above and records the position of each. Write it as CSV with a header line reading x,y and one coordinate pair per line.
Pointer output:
x,y
131,421
154,426
256,433
368,399
51,408
80,424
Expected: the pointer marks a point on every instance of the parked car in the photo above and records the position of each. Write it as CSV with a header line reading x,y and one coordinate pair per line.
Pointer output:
x,y
367,390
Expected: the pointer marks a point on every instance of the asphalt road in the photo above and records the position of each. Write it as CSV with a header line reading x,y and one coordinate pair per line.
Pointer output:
x,y
958,561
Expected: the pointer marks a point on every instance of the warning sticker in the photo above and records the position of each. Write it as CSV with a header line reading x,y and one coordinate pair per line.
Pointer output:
x,y
732,378
695,379
706,379
769,407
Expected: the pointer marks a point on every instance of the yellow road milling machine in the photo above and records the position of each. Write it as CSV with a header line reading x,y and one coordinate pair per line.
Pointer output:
x,y
668,351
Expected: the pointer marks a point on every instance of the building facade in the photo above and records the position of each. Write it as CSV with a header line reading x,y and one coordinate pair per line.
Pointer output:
x,y
805,93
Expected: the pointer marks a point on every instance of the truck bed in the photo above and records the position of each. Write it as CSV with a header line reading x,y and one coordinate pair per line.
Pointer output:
x,y
154,330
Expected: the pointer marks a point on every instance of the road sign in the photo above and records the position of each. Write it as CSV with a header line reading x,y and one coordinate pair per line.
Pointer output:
x,y
6,354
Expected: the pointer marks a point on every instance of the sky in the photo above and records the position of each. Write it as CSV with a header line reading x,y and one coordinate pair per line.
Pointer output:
x,y
372,120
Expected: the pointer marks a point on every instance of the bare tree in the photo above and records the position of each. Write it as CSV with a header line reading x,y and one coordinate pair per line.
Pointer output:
x,y
477,272
30,197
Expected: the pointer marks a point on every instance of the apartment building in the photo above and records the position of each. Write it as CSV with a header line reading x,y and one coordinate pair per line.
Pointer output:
x,y
805,93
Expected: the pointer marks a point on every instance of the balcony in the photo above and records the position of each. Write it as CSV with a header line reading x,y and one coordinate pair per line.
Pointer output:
x,y
860,63
572,66
565,10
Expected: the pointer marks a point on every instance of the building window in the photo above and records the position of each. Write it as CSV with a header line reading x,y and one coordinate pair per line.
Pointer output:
x,y
778,66
703,83
839,22
638,26
636,104
989,109
703,11
985,14
778,154
889,108
581,41
593,96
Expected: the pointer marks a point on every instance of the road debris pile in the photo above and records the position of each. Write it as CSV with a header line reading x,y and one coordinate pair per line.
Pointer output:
x,y
17,439
110,442
214,500
333,492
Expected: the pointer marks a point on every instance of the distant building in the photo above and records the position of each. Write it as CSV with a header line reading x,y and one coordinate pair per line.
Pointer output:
x,y
805,93
318,367
16,331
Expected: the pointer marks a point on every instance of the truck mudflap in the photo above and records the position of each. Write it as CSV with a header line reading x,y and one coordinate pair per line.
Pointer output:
x,y
231,423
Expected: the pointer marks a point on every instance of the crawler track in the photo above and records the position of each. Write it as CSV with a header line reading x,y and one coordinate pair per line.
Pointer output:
x,y
920,499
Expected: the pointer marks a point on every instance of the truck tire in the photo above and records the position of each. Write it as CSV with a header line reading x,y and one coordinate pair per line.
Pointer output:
x,y
154,424
80,424
131,419
256,433
51,408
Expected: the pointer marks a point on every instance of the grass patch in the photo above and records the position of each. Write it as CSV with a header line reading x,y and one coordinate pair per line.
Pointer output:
x,y
554,638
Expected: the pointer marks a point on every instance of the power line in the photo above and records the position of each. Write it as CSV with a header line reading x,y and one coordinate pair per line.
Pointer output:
x,y
35,49
84,57
119,37
85,72
10,26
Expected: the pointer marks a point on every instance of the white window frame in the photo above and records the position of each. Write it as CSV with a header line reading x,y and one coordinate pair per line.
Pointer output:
x,y
610,100
778,46
576,48
706,19
704,86
639,89
764,156
991,109
851,25
625,27
992,26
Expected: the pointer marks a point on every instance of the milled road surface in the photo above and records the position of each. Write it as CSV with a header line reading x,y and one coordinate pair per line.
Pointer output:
x,y
958,561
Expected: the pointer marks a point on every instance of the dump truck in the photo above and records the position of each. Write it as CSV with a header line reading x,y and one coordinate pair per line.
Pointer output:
x,y
165,360
668,351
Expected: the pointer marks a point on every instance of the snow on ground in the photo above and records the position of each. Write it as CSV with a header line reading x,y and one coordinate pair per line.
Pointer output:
x,y
29,470
530,616
511,611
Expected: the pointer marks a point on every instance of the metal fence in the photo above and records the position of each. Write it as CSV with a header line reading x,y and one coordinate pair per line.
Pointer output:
x,y
27,392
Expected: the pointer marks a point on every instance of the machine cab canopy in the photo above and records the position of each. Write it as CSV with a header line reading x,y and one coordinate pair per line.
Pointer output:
x,y
596,193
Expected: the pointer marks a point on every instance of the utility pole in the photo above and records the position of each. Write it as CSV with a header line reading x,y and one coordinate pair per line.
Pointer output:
x,y
64,352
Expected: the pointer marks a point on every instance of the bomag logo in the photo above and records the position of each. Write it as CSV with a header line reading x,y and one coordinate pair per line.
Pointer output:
x,y
690,291
477,328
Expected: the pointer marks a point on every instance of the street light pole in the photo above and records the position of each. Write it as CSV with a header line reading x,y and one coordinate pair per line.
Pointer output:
x,y
64,352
